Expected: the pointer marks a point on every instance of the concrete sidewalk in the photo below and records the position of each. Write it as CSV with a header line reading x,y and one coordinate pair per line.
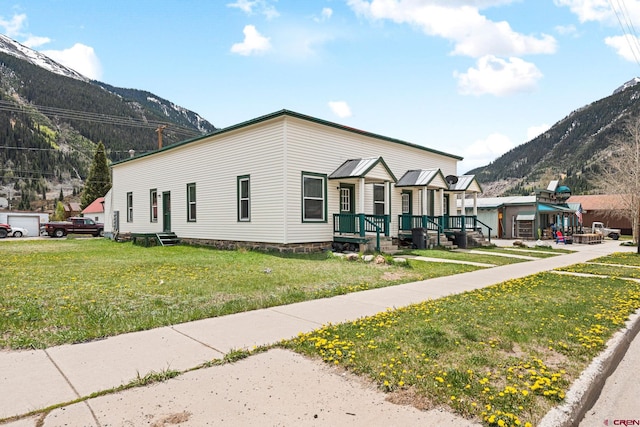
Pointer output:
x,y
273,388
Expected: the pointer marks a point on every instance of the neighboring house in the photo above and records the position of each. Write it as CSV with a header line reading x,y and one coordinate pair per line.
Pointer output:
x,y
95,210
287,181
29,220
520,217
71,209
605,208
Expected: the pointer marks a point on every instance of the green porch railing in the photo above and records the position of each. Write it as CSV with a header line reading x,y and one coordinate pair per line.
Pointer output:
x,y
441,223
360,224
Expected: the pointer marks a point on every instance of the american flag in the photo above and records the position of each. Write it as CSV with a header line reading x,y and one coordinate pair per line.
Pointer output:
x,y
579,214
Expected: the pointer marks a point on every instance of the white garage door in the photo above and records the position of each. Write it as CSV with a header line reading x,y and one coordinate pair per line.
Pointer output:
x,y
31,223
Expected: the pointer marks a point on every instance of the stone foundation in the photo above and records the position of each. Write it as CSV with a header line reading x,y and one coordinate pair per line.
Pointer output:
x,y
260,246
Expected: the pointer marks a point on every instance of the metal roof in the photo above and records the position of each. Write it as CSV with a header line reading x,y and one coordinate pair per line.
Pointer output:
x,y
496,202
464,182
419,178
354,168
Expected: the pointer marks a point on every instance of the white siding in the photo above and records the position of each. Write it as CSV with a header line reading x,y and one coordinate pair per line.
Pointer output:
x,y
274,154
214,165
313,147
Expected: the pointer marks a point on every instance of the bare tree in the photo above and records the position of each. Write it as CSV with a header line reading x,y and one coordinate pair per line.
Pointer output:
x,y
621,172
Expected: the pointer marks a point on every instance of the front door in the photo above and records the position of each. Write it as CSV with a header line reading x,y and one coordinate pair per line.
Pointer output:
x,y
407,209
166,211
347,208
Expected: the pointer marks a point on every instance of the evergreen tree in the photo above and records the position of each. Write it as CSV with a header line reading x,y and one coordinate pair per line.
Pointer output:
x,y
61,196
99,180
59,213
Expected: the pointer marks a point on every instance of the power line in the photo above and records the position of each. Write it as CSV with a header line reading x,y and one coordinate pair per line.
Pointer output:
x,y
630,34
97,117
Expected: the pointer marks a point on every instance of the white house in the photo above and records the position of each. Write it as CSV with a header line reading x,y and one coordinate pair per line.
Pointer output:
x,y
289,181
95,210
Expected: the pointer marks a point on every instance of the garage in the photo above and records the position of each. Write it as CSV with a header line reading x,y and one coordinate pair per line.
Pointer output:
x,y
30,222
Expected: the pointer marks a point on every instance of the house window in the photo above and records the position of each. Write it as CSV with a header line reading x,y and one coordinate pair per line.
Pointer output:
x,y
244,198
314,190
129,207
378,199
191,202
153,205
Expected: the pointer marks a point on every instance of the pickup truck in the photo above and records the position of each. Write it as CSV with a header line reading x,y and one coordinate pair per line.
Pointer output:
x,y
5,230
598,227
74,225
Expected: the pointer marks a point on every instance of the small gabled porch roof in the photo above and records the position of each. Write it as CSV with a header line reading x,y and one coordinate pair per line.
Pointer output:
x,y
432,178
373,169
466,183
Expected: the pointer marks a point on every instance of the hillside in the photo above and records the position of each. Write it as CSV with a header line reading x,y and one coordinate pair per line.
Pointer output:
x,y
571,150
52,118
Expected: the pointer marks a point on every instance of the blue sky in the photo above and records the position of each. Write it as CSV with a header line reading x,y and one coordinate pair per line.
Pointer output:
x,y
473,78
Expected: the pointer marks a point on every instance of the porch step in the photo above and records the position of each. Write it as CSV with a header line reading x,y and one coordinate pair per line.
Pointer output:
x,y
168,239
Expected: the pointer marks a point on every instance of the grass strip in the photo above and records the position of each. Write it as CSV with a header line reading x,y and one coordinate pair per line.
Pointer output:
x,y
63,291
503,355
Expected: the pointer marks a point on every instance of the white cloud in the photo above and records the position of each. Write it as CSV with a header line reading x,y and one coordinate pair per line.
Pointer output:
x,y
253,42
498,77
471,32
484,151
327,12
35,41
256,6
80,58
13,26
534,131
340,109
566,30
588,10
622,46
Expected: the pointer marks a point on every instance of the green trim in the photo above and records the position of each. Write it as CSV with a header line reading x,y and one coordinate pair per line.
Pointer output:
x,y
239,180
151,218
190,202
324,201
377,202
352,197
410,194
293,114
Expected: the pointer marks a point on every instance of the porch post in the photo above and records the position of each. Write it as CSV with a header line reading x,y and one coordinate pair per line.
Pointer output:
x,y
464,207
361,196
475,204
387,209
387,197
425,206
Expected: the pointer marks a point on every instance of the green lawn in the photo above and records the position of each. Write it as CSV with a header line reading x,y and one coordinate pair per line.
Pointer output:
x,y
72,290
503,355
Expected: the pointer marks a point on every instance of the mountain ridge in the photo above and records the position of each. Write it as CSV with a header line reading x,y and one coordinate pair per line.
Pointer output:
x,y
572,150
52,118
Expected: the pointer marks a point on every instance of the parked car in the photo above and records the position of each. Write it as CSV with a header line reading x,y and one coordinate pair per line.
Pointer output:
x,y
74,225
598,227
5,229
19,232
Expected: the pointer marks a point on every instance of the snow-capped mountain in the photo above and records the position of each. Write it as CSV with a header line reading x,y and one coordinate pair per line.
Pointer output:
x,y
18,50
634,81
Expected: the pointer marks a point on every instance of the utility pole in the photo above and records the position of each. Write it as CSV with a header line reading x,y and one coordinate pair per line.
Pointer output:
x,y
159,132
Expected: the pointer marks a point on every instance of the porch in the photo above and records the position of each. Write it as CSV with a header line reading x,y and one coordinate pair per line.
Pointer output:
x,y
359,228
